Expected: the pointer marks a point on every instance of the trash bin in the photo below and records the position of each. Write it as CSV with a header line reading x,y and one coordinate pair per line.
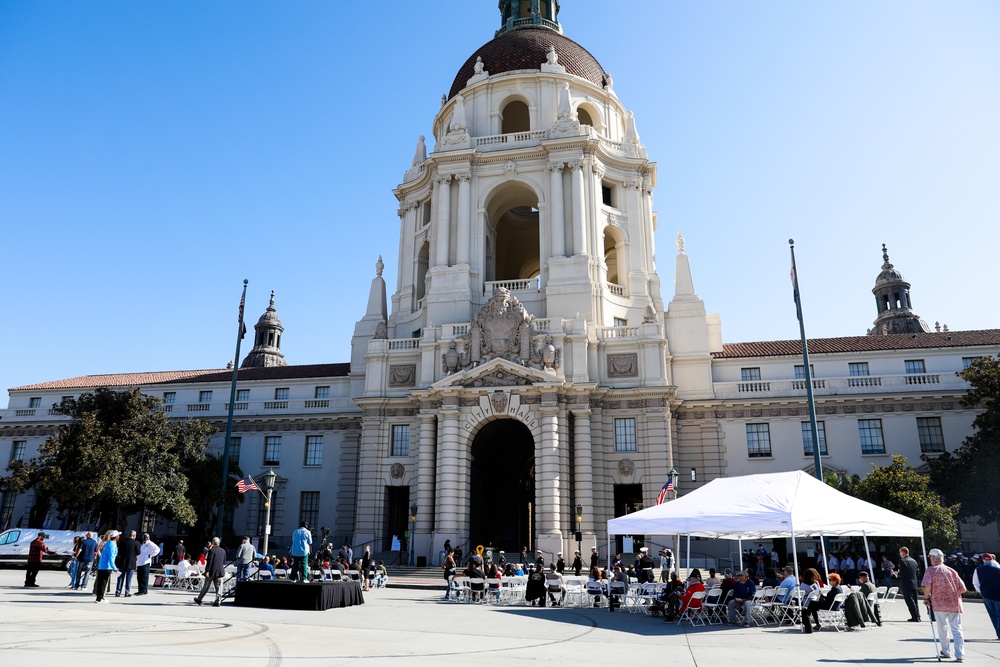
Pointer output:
x,y
421,561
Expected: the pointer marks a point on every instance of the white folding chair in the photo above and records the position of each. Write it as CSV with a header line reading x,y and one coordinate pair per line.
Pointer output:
x,y
713,606
835,614
694,611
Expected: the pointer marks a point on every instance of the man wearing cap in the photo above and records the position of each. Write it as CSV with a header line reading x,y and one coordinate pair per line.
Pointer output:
x,y
36,551
539,560
560,563
109,554
907,574
943,589
742,597
595,558
986,580
645,566
577,563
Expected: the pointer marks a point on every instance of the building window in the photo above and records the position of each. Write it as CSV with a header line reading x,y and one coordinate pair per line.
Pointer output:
x,y
750,374
759,440
967,361
281,394
807,438
169,397
322,392
931,435
16,453
625,435
607,195
800,371
205,396
235,445
621,322
309,508
242,395
400,440
272,450
65,398
7,499
914,366
871,436
314,450
35,402
857,369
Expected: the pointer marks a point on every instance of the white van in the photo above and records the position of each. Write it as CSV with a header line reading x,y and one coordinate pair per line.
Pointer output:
x,y
14,545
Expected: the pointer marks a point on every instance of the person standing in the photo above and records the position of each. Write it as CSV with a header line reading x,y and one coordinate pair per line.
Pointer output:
x,y
301,546
36,551
148,551
907,573
986,580
215,570
943,588
244,558
109,554
595,558
577,563
128,554
887,568
85,560
560,563
366,566
179,552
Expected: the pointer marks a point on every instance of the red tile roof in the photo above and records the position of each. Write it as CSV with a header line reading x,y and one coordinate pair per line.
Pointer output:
x,y
850,344
177,377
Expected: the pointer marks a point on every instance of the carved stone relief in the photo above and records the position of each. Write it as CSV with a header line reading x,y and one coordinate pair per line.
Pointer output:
x,y
623,365
403,375
626,467
397,470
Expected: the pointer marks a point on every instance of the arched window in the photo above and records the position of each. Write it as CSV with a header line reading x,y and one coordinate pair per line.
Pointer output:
x,y
614,250
584,117
420,280
515,118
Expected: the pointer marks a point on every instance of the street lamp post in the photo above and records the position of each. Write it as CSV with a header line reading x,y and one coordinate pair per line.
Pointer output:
x,y
579,528
674,479
268,483
413,530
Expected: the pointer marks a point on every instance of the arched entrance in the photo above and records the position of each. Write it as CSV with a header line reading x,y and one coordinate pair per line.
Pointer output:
x,y
502,486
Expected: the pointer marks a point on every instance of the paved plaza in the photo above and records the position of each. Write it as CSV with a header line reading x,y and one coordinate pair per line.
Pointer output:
x,y
52,625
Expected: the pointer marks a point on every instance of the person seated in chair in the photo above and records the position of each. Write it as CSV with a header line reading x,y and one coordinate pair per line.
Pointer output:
x,y
787,585
681,598
554,583
595,585
620,579
742,597
475,571
823,602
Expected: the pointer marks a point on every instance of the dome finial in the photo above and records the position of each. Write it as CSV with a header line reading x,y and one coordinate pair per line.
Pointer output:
x,y
885,258
270,306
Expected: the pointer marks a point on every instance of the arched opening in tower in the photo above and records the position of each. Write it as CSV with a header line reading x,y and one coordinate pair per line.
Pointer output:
x,y
613,251
512,237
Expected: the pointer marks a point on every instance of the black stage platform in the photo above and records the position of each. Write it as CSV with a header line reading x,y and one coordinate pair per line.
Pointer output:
x,y
290,595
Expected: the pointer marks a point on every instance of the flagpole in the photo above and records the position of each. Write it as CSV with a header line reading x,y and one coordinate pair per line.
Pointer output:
x,y
241,331
817,460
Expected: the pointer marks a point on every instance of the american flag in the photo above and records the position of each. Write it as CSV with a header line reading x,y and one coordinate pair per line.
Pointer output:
x,y
243,327
247,484
667,488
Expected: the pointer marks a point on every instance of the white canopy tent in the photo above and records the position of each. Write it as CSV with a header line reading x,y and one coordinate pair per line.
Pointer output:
x,y
785,504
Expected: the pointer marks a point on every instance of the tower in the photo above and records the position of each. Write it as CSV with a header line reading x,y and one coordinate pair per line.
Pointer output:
x,y
892,299
266,350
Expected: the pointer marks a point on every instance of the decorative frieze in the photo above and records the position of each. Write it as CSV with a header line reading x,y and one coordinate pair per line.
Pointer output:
x,y
403,375
623,365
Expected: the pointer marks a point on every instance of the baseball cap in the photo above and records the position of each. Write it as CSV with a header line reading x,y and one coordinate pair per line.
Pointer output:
x,y
988,557
936,553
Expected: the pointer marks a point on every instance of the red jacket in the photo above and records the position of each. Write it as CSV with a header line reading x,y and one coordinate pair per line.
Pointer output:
x,y
36,549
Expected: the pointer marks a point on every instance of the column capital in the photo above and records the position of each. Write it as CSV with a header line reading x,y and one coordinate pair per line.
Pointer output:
x,y
555,166
464,177
443,179
598,168
581,412
577,165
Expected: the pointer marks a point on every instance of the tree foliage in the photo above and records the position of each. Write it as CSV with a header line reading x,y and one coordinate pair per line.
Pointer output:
x,y
117,456
969,475
205,493
899,488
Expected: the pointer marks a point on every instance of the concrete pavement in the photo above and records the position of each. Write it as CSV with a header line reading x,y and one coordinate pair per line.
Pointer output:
x,y
54,625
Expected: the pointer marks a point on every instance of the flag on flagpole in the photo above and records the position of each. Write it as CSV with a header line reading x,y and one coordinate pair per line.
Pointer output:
x,y
795,289
243,326
247,484
667,488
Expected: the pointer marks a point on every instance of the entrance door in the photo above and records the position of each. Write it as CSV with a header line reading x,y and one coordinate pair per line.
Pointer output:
x,y
397,514
502,489
628,499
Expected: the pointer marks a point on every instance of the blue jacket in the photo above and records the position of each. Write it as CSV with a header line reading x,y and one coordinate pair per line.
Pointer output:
x,y
109,552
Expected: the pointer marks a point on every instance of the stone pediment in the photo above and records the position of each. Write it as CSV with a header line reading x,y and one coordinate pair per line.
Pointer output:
x,y
496,373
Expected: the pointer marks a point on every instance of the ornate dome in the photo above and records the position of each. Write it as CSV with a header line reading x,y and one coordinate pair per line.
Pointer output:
x,y
890,275
526,48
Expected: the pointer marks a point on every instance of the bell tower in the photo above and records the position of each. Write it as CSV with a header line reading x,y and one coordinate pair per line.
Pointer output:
x,y
892,299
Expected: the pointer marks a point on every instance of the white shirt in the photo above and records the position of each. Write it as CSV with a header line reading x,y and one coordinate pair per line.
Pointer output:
x,y
147,552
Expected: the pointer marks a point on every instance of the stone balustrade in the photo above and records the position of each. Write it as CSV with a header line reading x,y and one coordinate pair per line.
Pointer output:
x,y
865,384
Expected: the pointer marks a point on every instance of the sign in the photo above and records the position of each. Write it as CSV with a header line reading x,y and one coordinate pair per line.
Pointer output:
x,y
395,543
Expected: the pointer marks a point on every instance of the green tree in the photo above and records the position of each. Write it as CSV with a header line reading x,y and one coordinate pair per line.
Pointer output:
x,y
968,477
900,488
205,495
117,456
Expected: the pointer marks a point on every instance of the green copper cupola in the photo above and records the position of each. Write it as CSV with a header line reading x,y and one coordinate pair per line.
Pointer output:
x,y
516,14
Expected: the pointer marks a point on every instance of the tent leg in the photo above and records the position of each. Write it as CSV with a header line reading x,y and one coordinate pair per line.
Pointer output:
x,y
868,555
689,557
795,562
826,560
739,553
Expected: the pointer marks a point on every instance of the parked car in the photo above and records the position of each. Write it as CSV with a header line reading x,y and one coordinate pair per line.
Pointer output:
x,y
14,545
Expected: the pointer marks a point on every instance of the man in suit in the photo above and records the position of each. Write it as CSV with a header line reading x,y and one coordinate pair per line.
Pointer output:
x,y
907,574
128,554
215,570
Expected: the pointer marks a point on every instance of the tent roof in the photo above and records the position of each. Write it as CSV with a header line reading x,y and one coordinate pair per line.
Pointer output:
x,y
765,506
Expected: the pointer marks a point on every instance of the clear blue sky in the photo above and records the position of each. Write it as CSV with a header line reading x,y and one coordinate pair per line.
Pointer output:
x,y
154,154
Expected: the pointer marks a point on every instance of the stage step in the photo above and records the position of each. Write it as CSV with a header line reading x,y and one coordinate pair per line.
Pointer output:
x,y
416,577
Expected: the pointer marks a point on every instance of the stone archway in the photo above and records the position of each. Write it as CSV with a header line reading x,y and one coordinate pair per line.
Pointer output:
x,y
502,486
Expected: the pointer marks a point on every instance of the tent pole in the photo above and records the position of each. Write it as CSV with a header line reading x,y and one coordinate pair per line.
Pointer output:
x,y
795,563
688,574
739,548
826,567
868,555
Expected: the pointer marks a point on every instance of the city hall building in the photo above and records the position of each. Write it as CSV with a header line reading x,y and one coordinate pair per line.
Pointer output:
x,y
529,380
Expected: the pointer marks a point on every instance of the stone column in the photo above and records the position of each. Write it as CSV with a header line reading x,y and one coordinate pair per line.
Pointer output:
x,y
578,200
557,219
583,468
547,493
425,474
448,479
464,221
443,218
